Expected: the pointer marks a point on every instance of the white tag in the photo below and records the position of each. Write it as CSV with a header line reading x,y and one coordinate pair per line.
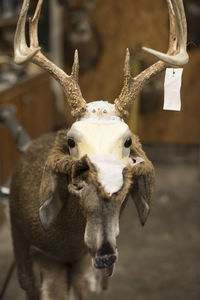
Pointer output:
x,y
172,86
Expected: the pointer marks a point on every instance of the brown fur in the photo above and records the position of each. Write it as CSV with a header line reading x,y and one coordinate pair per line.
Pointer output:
x,y
45,172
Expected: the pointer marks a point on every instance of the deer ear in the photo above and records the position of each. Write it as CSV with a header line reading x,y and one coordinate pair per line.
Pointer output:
x,y
142,193
140,198
49,198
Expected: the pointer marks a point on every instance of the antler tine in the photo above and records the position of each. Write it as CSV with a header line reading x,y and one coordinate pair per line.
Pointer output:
x,y
23,53
75,67
33,25
181,26
39,58
176,55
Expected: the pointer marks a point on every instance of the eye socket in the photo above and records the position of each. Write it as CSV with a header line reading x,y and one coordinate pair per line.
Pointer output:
x,y
71,143
128,143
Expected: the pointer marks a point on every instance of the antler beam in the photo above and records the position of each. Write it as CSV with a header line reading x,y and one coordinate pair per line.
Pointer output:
x,y
176,56
24,53
181,58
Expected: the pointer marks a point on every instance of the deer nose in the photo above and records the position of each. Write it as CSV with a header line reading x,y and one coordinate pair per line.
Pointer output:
x,y
105,256
105,261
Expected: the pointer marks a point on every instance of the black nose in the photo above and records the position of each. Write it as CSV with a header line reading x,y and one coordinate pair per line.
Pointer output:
x,y
105,261
105,257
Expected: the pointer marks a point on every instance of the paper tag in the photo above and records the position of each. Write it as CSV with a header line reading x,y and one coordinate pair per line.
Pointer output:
x,y
172,86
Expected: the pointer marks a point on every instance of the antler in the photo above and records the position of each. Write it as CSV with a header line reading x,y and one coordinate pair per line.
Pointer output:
x,y
176,56
23,53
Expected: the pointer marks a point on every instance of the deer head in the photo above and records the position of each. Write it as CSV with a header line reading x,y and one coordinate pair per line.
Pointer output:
x,y
111,164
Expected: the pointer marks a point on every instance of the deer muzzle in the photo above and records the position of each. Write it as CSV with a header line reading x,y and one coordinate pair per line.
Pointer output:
x,y
105,259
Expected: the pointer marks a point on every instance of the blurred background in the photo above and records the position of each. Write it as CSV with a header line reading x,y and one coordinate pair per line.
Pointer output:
x,y
161,260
